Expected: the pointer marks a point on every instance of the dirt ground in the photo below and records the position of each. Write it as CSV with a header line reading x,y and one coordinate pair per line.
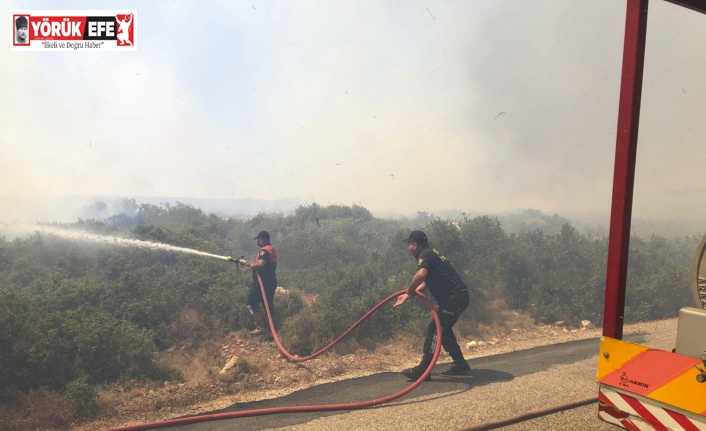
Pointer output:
x,y
247,368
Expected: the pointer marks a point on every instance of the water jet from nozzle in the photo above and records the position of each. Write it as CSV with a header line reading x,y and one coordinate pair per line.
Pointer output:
x,y
85,236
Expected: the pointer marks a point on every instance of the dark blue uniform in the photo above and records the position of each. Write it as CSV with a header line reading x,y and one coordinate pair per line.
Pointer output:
x,y
451,295
269,280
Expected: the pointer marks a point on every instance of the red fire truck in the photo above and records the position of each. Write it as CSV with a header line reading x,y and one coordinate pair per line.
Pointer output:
x,y
641,388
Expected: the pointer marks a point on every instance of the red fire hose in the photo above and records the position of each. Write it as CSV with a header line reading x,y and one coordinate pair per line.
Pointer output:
x,y
349,406
293,358
531,415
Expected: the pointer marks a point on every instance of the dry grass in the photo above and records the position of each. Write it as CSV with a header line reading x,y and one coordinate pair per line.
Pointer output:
x,y
504,321
196,365
40,410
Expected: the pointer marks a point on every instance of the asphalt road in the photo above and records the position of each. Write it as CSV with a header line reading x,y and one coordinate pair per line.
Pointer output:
x,y
501,386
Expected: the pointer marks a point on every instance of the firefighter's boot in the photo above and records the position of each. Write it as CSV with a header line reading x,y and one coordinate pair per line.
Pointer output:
x,y
259,324
458,368
415,373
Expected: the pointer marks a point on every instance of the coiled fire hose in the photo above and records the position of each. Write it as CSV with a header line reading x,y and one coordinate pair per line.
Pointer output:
x,y
294,358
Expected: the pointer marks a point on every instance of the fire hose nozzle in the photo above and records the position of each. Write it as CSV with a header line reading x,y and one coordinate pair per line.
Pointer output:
x,y
240,260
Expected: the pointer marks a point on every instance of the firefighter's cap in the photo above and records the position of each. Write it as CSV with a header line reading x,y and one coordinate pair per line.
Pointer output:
x,y
418,237
263,234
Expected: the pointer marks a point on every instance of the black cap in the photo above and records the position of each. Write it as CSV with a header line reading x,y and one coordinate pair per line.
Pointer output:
x,y
263,234
418,237
21,22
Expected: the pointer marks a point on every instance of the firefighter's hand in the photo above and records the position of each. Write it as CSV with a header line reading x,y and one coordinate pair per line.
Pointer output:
x,y
401,300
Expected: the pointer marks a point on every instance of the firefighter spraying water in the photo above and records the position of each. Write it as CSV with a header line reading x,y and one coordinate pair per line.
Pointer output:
x,y
264,268
264,265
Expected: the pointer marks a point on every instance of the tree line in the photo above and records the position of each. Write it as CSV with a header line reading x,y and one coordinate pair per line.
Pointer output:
x,y
75,315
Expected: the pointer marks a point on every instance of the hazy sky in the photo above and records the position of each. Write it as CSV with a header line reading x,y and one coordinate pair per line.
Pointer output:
x,y
399,106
